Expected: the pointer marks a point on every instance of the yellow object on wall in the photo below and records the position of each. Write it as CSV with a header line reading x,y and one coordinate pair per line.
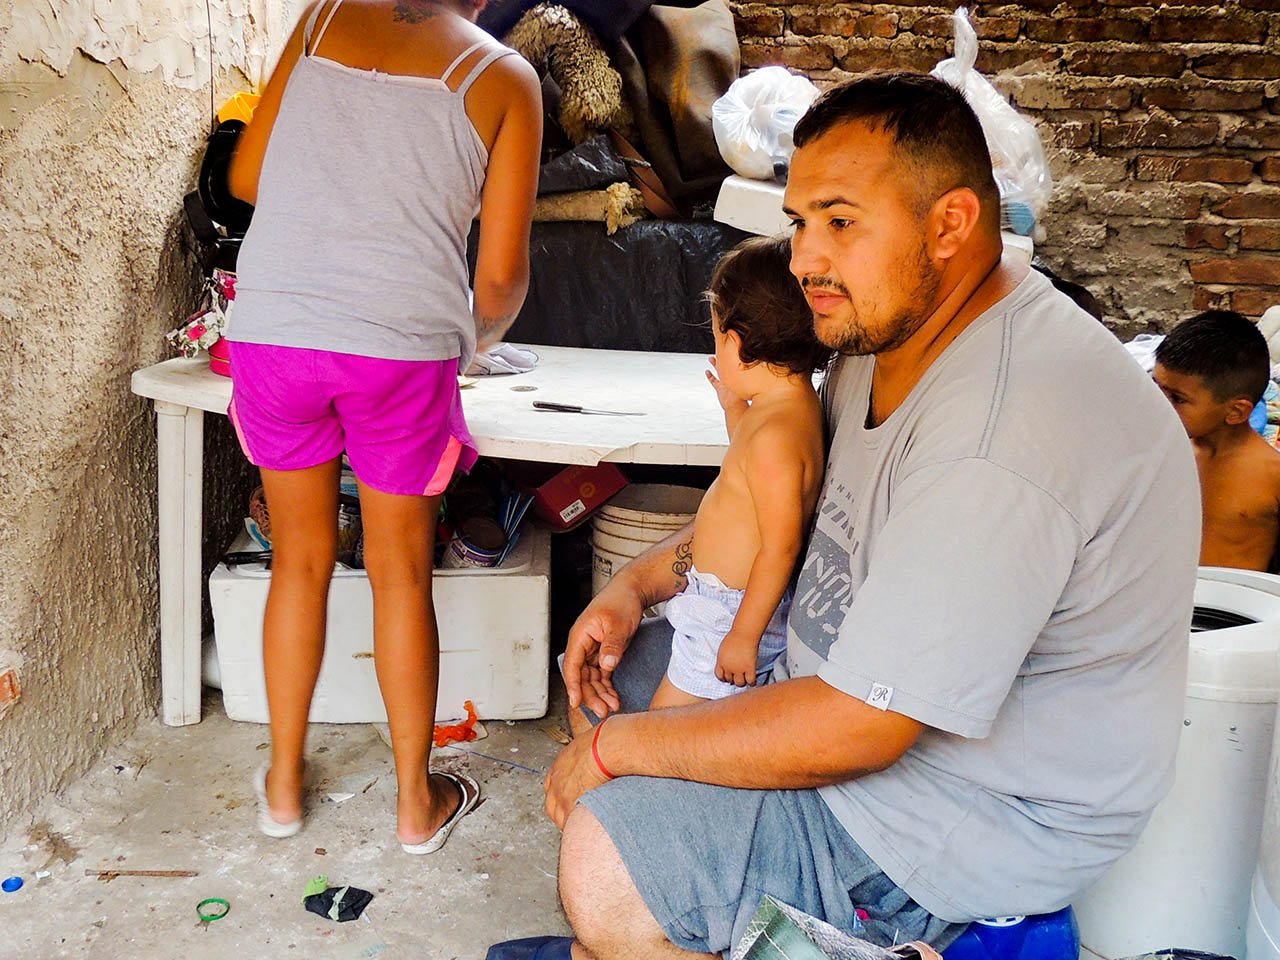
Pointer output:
x,y
239,107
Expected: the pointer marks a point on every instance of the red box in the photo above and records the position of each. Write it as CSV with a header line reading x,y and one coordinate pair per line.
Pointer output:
x,y
568,498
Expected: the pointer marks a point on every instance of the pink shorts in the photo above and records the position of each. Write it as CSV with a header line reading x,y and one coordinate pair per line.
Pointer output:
x,y
400,421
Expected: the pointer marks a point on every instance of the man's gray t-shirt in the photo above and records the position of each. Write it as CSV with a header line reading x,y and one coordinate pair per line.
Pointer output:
x,y
1010,559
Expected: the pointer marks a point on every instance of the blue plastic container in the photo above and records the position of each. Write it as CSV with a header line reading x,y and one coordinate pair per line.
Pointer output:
x,y
1049,936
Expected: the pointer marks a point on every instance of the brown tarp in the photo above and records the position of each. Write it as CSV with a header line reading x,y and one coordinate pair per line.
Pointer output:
x,y
676,60
675,63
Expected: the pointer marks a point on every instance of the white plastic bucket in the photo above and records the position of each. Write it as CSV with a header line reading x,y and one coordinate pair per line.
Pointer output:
x,y
1187,882
623,546
650,533
604,564
1262,929
652,505
630,523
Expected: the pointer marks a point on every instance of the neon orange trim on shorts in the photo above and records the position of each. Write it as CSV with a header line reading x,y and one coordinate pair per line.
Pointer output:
x,y
444,470
235,422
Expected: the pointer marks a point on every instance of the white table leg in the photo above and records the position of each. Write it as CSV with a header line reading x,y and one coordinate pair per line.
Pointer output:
x,y
180,461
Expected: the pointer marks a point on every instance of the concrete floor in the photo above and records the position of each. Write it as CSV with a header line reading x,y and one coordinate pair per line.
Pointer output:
x,y
180,798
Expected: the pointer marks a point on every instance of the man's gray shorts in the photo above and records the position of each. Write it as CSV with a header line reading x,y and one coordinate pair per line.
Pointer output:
x,y
702,856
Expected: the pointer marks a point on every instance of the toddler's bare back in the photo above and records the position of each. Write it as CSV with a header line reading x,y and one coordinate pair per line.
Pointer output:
x,y
726,535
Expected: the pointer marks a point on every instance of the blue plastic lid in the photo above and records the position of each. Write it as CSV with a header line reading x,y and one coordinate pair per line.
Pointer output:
x,y
1258,418
11,885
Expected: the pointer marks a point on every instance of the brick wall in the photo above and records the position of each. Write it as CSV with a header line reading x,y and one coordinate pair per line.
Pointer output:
x,y
1161,122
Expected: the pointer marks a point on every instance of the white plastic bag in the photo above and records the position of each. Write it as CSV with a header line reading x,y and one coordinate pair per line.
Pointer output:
x,y
754,120
1269,324
1017,155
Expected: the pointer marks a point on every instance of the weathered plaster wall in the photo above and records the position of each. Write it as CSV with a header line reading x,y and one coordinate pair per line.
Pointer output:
x,y
165,36
103,111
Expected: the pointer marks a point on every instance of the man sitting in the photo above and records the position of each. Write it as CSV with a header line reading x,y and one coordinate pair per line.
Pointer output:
x,y
981,696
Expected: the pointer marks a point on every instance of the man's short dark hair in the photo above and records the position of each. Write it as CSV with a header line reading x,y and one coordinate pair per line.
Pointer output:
x,y
930,122
754,295
1224,349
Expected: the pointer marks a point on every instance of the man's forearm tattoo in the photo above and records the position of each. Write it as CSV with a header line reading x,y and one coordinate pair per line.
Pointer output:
x,y
684,559
415,11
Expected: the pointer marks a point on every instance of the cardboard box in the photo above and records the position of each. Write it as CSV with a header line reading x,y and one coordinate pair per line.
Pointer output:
x,y
568,498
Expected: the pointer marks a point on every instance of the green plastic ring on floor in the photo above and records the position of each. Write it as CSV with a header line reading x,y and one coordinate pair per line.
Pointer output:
x,y
210,917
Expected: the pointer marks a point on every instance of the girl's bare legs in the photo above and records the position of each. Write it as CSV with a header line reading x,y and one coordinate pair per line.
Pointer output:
x,y
304,545
399,543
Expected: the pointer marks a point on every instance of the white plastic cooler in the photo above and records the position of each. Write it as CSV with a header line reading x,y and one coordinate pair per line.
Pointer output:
x,y
493,640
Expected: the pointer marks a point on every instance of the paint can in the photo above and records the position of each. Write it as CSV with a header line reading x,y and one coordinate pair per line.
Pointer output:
x,y
479,543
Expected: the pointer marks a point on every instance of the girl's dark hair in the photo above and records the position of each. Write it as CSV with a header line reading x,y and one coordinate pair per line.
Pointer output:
x,y
754,295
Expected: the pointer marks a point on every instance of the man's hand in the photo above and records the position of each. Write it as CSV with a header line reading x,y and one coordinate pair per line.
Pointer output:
x,y
736,662
595,645
573,774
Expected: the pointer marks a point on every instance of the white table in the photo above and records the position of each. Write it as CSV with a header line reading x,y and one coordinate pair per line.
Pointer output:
x,y
682,425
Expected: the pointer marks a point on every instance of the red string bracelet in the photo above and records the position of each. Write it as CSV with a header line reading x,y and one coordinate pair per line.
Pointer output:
x,y
595,752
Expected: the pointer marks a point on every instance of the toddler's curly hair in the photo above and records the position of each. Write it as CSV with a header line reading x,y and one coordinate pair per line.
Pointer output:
x,y
754,294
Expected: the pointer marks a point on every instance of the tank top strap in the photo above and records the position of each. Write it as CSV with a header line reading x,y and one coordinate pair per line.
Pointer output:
x,y
308,46
311,25
483,65
457,61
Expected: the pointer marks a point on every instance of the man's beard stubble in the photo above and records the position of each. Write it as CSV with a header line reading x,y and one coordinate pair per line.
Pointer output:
x,y
858,340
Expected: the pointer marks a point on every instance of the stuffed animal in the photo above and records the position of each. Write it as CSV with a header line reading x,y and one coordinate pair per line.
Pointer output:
x,y
557,42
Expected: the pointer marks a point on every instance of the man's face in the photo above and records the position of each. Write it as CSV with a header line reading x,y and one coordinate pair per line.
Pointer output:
x,y
858,247
1197,408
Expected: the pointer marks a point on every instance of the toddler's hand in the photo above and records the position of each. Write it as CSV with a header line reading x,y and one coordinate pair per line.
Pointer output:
x,y
730,402
736,662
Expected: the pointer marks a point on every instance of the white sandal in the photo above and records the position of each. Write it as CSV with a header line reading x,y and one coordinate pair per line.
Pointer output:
x,y
469,792
267,824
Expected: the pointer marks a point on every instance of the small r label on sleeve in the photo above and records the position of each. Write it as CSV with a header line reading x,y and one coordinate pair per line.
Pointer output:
x,y
880,696
572,510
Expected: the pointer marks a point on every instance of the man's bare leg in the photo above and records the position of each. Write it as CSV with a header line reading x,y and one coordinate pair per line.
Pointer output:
x,y
608,915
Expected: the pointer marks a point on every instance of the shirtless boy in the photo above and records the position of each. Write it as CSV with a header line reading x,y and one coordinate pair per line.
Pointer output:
x,y
730,621
1214,369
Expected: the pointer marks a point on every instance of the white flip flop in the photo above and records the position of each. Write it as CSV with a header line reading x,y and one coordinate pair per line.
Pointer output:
x,y
267,824
469,791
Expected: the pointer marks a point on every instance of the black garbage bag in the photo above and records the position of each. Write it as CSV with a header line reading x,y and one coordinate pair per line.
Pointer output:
x,y
639,289
592,165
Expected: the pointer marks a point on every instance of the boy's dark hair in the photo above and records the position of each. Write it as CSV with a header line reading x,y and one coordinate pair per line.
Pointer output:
x,y
754,295
931,124
1224,349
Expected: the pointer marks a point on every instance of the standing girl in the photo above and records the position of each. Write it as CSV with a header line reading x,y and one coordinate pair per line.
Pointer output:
x,y
385,127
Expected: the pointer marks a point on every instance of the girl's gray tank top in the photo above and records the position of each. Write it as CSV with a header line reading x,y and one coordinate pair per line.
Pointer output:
x,y
368,189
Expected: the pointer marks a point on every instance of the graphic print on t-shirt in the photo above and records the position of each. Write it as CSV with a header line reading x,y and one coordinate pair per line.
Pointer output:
x,y
824,589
